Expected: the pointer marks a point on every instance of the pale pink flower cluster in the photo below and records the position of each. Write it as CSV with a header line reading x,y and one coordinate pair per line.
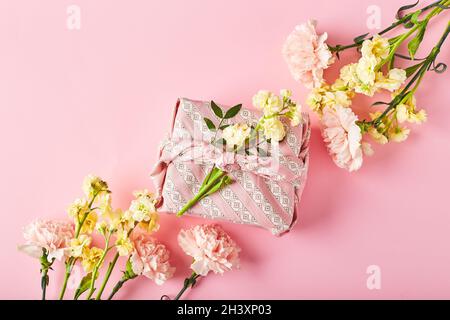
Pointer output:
x,y
343,137
211,248
151,258
307,54
52,236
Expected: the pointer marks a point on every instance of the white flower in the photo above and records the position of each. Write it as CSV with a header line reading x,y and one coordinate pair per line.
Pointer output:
x,y
398,134
273,129
142,208
378,48
393,81
377,136
78,244
295,114
274,105
365,70
401,113
260,99
235,135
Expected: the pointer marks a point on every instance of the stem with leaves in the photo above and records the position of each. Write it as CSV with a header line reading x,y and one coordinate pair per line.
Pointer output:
x,y
70,262
45,266
188,283
216,178
98,265
418,71
128,274
409,21
111,266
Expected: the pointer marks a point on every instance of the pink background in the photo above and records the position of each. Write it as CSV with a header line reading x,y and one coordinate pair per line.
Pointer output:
x,y
99,100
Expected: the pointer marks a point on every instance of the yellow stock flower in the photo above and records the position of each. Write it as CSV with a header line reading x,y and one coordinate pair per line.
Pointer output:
x,y
152,225
377,136
90,258
407,112
89,223
93,185
141,208
273,129
260,99
395,78
78,245
365,72
236,134
398,134
124,245
78,208
377,48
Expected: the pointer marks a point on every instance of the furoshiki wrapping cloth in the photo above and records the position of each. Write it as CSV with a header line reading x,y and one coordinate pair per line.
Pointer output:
x,y
265,191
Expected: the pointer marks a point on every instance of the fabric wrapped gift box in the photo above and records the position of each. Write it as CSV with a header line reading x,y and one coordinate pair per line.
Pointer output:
x,y
262,194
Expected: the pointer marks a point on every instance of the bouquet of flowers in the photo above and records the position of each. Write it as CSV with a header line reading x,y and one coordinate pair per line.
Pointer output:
x,y
308,55
127,233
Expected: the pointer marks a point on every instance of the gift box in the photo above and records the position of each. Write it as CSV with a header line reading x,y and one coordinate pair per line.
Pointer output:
x,y
265,191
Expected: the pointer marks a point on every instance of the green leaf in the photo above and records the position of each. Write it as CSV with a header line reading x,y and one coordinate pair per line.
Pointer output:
x,y
233,111
224,126
415,17
360,38
225,180
414,44
380,103
214,173
84,285
209,124
216,109
412,69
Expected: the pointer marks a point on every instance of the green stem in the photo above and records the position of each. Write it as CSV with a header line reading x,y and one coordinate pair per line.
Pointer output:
x,y
416,79
70,263
188,282
44,282
63,290
202,192
406,18
117,287
107,276
98,265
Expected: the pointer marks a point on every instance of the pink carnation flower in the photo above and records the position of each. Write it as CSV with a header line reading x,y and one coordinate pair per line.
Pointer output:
x,y
151,259
53,236
211,248
307,54
343,137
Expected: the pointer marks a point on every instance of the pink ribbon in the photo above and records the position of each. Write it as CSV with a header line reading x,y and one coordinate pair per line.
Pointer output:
x,y
204,153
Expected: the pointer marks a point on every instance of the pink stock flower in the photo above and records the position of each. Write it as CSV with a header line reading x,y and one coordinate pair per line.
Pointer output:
x,y
343,137
151,259
53,236
307,54
211,248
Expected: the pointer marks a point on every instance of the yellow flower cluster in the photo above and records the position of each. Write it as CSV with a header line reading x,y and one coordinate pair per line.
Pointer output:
x,y
389,129
326,95
95,212
365,76
274,107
